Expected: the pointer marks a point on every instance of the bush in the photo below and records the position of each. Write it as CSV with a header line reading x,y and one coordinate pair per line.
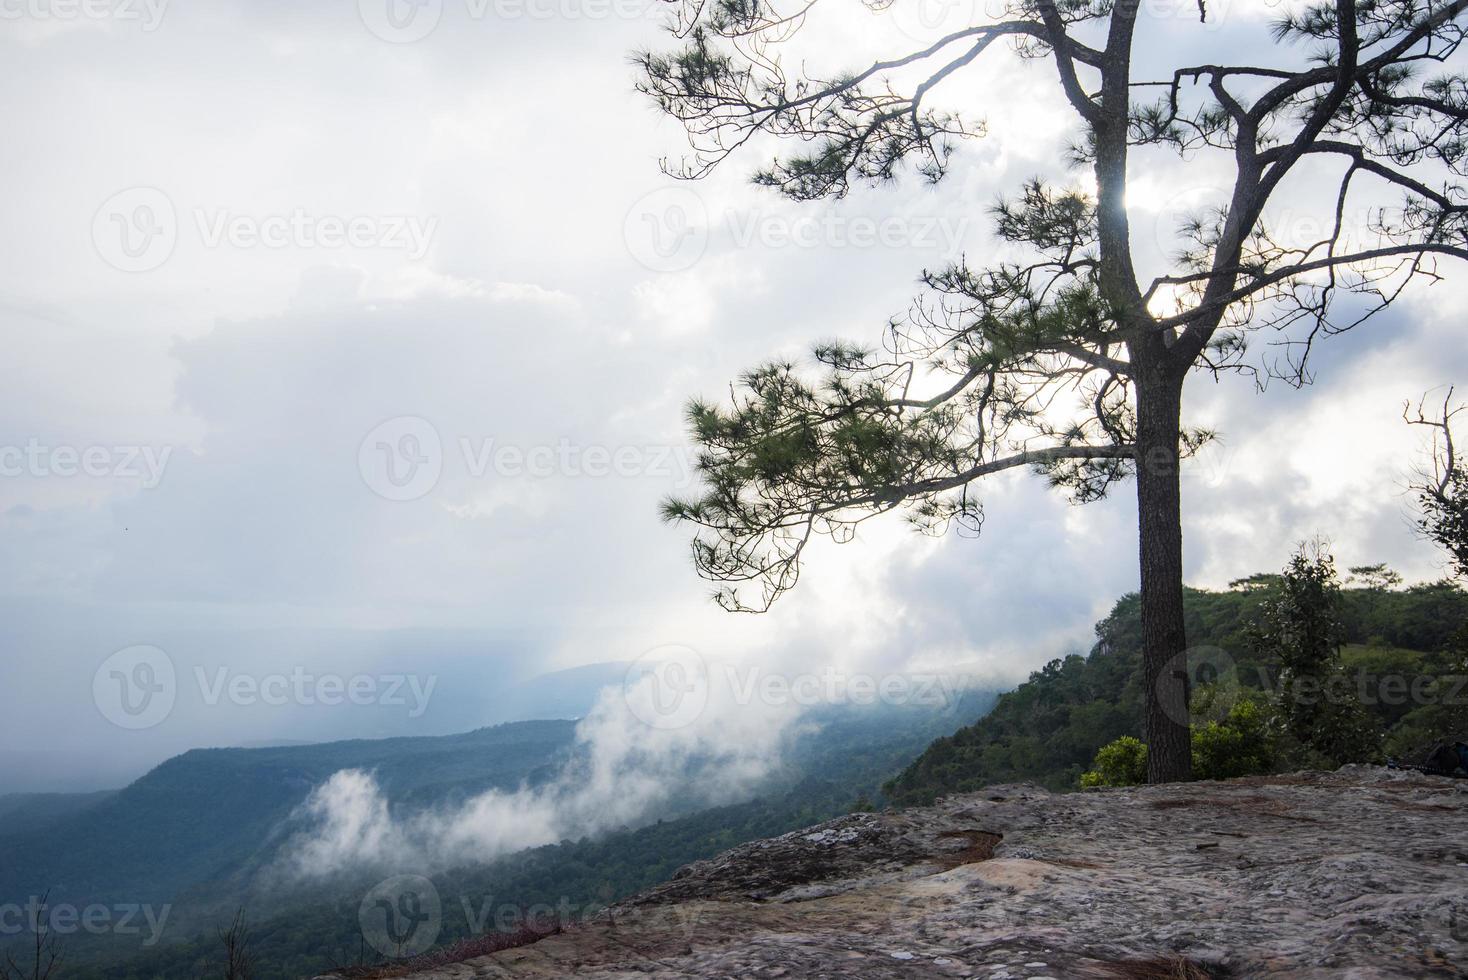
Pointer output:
x,y
1238,746
1119,763
1302,631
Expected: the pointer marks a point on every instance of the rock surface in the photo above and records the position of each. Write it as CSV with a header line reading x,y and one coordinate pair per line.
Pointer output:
x,y
1360,873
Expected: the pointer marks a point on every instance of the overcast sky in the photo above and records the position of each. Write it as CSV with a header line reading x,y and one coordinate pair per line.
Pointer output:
x,y
353,339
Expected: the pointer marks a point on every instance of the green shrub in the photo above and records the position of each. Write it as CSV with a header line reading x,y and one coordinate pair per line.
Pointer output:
x,y
1240,745
1049,729
1119,763
1302,630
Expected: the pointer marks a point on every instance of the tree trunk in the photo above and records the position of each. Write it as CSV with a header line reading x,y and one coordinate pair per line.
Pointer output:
x,y
1160,533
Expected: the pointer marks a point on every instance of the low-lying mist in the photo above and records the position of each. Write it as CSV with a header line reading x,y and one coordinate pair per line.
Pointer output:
x,y
668,740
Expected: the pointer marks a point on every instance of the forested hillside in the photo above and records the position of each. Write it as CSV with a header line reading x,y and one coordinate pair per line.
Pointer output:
x,y
837,765
205,816
1049,729
24,811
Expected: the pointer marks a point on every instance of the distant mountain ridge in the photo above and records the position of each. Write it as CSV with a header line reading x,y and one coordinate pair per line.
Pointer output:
x,y
28,811
207,811
836,764
198,833
568,693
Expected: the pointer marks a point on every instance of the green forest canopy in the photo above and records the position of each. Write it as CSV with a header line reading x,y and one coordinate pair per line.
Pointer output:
x,y
1049,729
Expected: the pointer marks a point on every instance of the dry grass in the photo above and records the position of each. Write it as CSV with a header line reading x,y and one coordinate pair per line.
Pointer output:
x,y
981,844
1160,968
464,949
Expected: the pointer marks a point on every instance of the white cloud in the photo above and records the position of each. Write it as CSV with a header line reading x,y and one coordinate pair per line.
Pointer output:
x,y
624,771
531,322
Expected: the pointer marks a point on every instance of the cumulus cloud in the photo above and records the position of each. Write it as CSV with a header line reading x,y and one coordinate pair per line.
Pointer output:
x,y
531,321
